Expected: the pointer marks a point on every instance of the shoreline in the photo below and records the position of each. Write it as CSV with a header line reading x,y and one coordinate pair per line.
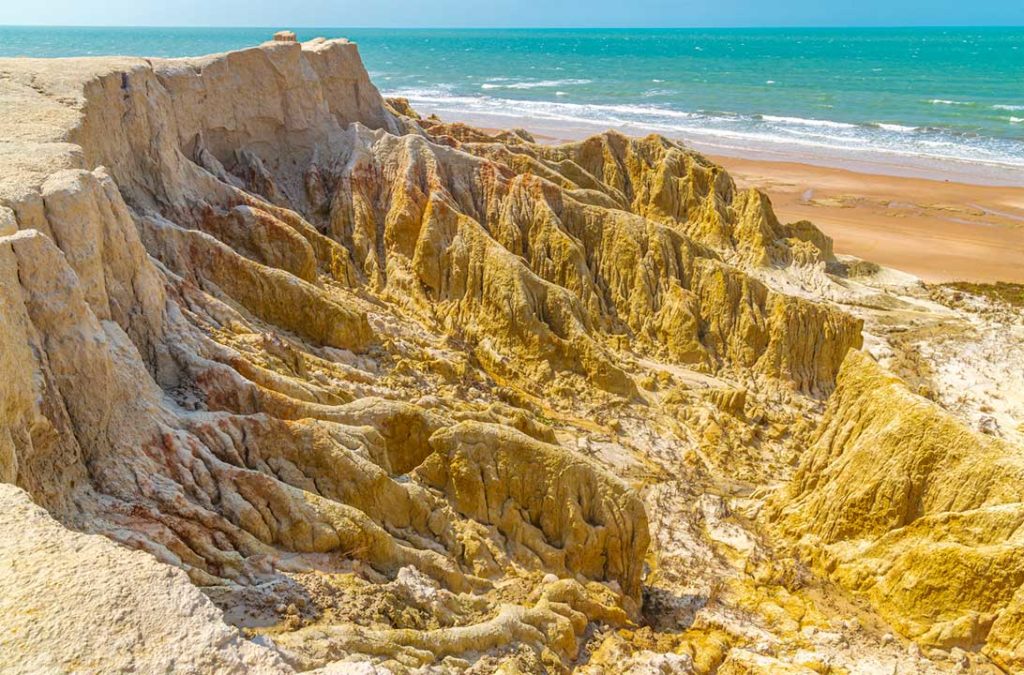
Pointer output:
x,y
878,161
937,230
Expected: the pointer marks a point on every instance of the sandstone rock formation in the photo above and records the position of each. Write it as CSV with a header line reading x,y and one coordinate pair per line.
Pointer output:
x,y
397,395
899,501
104,584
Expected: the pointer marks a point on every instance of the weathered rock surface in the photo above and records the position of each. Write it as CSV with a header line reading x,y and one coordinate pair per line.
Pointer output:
x,y
119,610
898,500
398,395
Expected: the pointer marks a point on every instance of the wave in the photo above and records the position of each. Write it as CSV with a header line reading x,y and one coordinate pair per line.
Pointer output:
x,y
973,104
888,126
439,92
806,122
496,83
774,133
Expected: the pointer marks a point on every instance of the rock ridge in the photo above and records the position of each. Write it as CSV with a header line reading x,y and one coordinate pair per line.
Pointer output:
x,y
400,395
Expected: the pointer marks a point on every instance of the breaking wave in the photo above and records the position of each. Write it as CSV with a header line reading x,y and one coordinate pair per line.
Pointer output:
x,y
735,131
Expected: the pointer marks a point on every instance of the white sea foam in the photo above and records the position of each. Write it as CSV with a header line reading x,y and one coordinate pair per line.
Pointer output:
x,y
539,84
1003,106
774,133
895,127
807,122
946,101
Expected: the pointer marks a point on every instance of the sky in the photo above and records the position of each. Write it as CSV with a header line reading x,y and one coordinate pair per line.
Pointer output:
x,y
512,13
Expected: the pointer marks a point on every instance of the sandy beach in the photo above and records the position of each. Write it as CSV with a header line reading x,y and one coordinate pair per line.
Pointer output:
x,y
937,230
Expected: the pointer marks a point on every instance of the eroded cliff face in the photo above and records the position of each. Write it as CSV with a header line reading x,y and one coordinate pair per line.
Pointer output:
x,y
402,395
900,502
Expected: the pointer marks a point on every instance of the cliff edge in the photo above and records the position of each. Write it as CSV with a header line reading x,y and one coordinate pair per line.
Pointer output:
x,y
320,383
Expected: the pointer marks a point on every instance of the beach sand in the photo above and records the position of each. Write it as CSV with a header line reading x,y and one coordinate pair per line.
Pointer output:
x,y
936,230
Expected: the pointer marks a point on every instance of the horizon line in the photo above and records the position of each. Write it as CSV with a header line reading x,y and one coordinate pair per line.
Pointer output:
x,y
643,27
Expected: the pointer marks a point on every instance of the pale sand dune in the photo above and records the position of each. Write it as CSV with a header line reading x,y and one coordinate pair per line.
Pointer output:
x,y
939,231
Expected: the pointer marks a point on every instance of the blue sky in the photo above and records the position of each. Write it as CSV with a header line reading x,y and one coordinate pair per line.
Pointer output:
x,y
511,13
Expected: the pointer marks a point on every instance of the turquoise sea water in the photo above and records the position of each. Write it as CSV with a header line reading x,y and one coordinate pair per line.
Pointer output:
x,y
949,100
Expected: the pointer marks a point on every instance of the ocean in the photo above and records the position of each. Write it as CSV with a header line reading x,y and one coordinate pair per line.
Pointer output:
x,y
937,102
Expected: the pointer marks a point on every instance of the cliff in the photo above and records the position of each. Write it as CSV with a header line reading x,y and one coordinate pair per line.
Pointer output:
x,y
900,502
400,393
